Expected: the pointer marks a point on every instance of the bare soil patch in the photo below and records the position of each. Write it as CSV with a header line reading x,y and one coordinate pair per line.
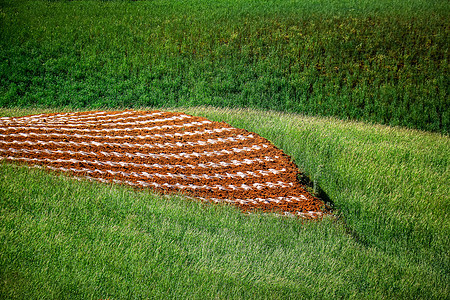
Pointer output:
x,y
165,151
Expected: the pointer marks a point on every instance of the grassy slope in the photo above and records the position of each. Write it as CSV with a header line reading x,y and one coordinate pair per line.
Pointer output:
x,y
383,61
65,239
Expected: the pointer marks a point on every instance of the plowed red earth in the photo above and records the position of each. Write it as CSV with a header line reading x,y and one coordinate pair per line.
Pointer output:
x,y
168,152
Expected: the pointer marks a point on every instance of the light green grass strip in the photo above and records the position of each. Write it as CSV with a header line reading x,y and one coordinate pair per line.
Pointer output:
x,y
60,238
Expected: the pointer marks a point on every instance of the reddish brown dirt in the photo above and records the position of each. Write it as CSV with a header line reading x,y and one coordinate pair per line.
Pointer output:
x,y
170,152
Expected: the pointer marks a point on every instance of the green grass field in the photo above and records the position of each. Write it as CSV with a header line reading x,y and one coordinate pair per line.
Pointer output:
x,y
65,239
320,79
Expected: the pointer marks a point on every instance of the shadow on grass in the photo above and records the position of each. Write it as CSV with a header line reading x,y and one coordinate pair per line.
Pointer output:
x,y
315,189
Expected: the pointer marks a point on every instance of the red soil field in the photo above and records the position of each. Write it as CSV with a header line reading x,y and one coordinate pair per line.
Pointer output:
x,y
165,151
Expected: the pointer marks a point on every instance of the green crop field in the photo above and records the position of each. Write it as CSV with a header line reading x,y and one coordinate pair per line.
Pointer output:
x,y
356,92
380,61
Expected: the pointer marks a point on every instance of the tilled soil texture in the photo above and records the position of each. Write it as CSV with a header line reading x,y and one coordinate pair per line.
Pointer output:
x,y
165,151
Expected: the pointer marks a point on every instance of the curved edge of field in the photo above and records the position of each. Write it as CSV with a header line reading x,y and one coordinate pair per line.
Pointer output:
x,y
63,239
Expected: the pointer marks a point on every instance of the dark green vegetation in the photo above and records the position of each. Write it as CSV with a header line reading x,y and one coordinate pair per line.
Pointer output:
x,y
379,61
60,238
